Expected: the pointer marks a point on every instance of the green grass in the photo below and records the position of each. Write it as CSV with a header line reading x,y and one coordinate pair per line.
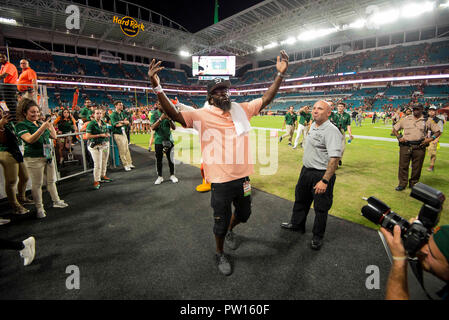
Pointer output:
x,y
369,169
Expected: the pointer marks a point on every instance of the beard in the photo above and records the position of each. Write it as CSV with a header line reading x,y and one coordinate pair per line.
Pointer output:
x,y
222,102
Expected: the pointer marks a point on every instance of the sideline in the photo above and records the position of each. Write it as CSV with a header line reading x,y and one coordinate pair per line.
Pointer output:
x,y
191,131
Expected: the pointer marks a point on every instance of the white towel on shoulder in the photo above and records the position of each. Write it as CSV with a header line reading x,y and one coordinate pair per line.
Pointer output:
x,y
238,116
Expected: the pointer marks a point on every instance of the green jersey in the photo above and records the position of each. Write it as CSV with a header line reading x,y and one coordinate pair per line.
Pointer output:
x,y
290,119
304,117
95,128
342,121
36,149
163,132
9,126
86,113
116,118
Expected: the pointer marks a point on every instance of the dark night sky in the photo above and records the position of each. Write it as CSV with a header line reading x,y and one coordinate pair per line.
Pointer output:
x,y
193,15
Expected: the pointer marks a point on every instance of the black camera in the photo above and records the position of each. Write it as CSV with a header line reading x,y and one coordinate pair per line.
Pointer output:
x,y
414,235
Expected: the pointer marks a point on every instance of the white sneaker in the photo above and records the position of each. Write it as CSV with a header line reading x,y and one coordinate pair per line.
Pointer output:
x,y
127,169
4,221
29,251
21,210
41,213
132,166
60,204
174,179
159,180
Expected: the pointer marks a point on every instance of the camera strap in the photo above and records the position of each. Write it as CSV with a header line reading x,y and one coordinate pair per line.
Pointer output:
x,y
418,272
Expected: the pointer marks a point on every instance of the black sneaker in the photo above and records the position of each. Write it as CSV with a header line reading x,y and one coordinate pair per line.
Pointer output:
x,y
289,144
231,240
316,243
399,188
223,264
339,162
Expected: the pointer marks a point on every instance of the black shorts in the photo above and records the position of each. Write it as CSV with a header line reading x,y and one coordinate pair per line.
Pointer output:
x,y
223,195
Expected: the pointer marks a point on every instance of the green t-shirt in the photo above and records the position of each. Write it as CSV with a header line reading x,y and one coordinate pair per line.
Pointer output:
x,y
36,149
342,121
9,126
290,119
163,132
65,126
116,118
304,117
94,128
86,113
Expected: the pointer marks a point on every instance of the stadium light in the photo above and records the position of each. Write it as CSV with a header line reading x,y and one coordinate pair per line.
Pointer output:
x,y
312,34
385,17
8,21
415,9
271,45
184,53
290,40
357,24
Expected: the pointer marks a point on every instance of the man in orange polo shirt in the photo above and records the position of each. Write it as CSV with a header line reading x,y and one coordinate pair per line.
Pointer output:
x,y
223,128
8,75
27,84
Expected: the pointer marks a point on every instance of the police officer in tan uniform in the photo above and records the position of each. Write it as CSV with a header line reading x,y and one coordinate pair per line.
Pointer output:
x,y
413,143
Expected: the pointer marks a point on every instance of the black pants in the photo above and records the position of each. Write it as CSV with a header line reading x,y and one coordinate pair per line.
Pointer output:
x,y
11,245
8,92
416,155
305,195
159,156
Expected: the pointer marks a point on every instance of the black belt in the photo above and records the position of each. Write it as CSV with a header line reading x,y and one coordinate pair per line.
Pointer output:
x,y
411,143
312,169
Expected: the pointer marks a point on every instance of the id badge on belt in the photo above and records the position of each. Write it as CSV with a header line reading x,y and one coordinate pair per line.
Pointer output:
x,y
246,188
47,151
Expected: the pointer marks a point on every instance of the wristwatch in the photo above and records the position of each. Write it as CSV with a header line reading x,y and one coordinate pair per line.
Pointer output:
x,y
325,181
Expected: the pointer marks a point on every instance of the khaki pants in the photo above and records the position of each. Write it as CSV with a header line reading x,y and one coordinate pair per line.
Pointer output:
x,y
13,171
343,143
37,167
123,149
416,155
100,155
290,132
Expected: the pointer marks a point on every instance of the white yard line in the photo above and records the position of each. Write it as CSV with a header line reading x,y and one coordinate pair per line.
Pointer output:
x,y
191,131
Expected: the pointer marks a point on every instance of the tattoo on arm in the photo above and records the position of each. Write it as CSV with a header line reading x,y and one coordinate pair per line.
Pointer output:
x,y
331,168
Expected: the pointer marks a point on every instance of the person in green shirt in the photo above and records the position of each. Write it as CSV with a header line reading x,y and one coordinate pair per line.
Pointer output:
x,y
305,120
11,160
87,111
343,123
163,142
38,153
98,146
65,124
290,121
119,122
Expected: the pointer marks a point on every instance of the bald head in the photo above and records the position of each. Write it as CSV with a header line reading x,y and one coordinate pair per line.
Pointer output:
x,y
321,111
24,64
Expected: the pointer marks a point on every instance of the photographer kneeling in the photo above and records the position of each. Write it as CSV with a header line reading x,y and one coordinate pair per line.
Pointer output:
x,y
433,257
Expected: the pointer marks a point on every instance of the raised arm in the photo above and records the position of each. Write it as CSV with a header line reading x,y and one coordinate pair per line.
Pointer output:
x,y
281,67
165,102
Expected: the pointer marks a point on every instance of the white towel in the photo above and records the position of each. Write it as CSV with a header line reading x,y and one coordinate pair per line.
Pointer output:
x,y
238,116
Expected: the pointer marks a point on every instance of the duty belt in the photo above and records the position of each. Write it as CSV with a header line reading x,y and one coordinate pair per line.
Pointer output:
x,y
411,143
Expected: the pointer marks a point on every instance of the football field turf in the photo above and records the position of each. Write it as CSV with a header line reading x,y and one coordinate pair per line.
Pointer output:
x,y
369,168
